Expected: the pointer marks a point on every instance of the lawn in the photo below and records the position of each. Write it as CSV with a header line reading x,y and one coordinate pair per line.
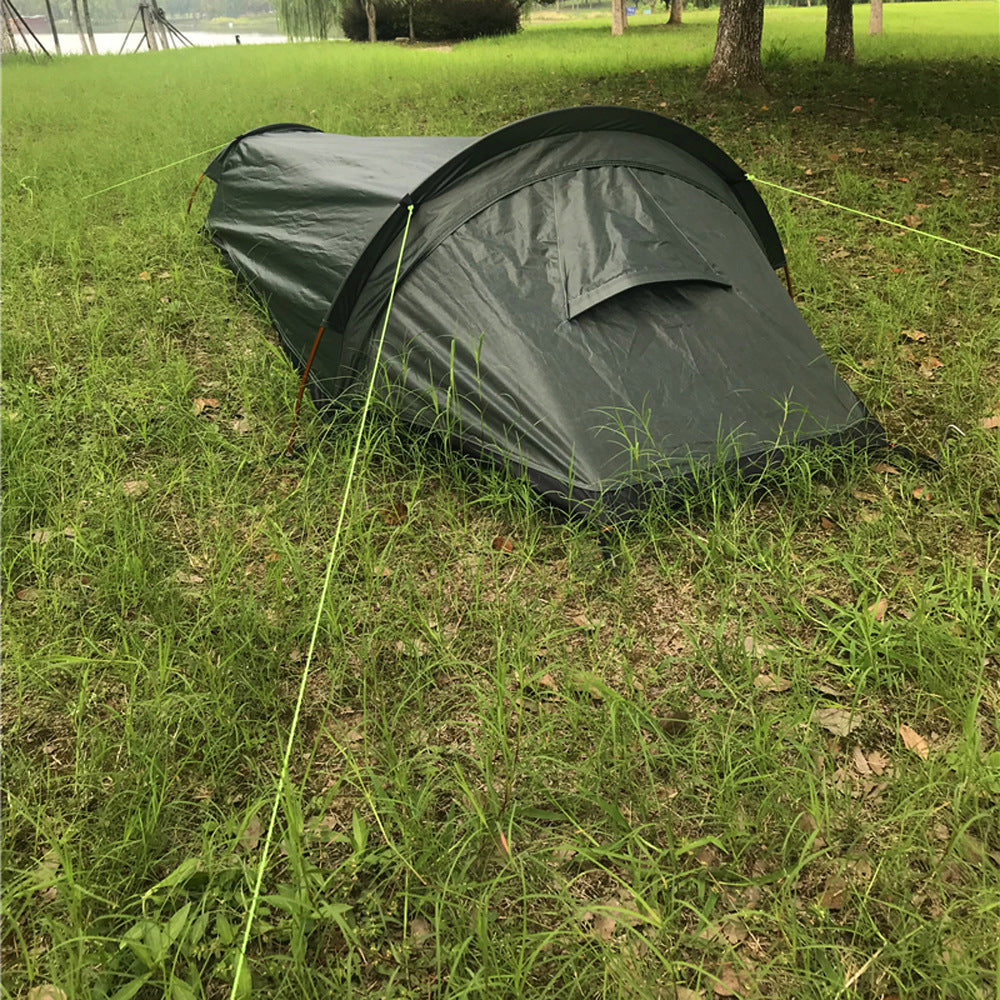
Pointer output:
x,y
750,747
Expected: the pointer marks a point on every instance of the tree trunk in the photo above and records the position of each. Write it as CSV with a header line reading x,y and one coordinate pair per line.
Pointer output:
x,y
875,20
619,19
839,31
8,43
676,12
409,13
79,26
736,59
52,23
370,15
148,28
89,26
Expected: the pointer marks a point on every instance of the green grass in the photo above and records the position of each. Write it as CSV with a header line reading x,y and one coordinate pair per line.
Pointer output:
x,y
671,818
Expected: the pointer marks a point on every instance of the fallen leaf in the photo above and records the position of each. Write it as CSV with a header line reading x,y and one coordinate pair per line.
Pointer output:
x,y
826,524
396,514
834,156
990,423
753,647
918,335
502,544
879,608
929,365
837,720
46,992
903,180
40,536
766,682
674,721
201,405
921,493
604,926
796,109
878,761
914,741
144,275
889,470
28,594
912,220
135,487
163,274
861,764
582,621
420,930
241,424
189,578
250,837
923,204
683,993
834,893
865,497
730,983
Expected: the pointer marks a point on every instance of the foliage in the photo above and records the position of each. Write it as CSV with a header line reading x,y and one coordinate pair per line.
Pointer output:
x,y
649,734
306,19
433,20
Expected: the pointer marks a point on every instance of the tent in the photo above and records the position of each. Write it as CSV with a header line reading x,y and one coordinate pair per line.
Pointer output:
x,y
586,296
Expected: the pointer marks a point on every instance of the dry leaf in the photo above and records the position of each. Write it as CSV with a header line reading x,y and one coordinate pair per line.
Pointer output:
x,y
163,274
135,487
396,514
731,983
202,404
865,497
241,424
144,275
582,621
990,423
879,608
921,493
837,720
912,220
834,893
753,647
796,109
250,837
861,764
930,365
914,741
604,926
548,682
878,761
190,578
890,470
46,992
917,335
420,930
683,993
502,544
28,594
40,536
767,682
826,524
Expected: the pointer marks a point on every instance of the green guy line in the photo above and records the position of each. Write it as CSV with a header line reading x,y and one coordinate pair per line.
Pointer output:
x,y
875,218
331,562
149,173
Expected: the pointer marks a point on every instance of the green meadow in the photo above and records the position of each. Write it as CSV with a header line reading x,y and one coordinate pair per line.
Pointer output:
x,y
749,746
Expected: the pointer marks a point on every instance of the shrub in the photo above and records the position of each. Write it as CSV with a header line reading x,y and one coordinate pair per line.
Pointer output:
x,y
433,20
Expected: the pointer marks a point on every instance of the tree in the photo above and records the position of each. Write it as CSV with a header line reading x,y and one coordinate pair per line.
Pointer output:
x,y
839,31
676,12
619,17
736,59
370,15
301,19
875,18
52,25
79,26
88,24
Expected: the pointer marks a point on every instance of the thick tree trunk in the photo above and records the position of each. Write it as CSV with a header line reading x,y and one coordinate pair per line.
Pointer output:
x,y
839,31
89,26
52,25
619,19
676,12
736,60
875,19
370,15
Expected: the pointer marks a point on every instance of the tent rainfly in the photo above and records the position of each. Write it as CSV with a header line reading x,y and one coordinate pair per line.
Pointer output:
x,y
587,296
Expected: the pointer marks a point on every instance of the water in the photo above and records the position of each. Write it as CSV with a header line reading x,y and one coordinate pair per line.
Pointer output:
x,y
111,41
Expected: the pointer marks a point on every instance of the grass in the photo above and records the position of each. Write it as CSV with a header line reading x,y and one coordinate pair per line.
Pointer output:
x,y
520,773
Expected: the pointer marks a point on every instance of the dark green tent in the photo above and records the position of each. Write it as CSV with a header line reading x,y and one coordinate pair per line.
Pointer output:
x,y
587,296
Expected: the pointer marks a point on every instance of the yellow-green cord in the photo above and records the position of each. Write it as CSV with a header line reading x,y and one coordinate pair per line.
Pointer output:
x,y
149,173
874,218
331,562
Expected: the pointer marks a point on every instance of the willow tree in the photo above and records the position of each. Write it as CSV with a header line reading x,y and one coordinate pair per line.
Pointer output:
x,y
306,19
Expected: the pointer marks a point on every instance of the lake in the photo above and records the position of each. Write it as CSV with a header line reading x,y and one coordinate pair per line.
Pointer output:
x,y
111,41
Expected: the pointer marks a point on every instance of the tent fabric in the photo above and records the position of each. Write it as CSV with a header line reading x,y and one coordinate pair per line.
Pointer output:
x,y
587,296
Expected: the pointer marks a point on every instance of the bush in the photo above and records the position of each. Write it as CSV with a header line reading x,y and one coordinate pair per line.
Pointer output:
x,y
433,20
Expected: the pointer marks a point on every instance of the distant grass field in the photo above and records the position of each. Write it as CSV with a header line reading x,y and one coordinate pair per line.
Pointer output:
x,y
758,755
